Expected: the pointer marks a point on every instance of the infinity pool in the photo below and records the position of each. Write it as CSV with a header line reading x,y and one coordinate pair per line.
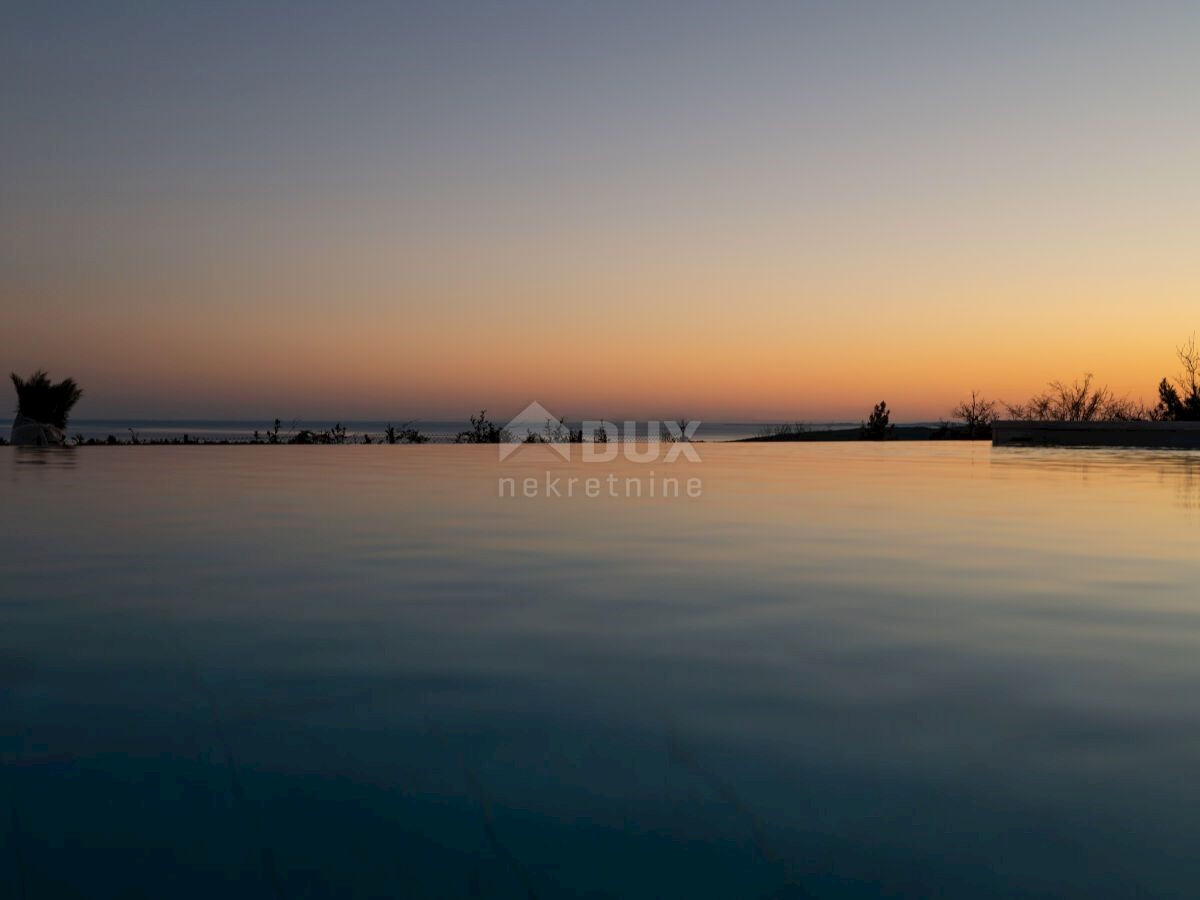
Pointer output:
x,y
836,670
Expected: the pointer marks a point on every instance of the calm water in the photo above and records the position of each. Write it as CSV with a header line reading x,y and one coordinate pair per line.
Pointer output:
x,y
843,671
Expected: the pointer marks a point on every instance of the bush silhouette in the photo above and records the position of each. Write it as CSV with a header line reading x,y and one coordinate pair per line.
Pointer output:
x,y
405,434
483,431
1180,402
1077,402
877,427
977,414
43,401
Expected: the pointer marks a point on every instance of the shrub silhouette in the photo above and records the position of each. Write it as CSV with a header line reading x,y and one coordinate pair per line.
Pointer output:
x,y
405,434
271,436
787,429
1077,402
670,435
483,431
43,401
1180,402
977,414
334,435
412,436
555,431
877,427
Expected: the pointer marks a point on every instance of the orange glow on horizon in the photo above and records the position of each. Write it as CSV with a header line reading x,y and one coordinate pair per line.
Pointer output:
x,y
905,206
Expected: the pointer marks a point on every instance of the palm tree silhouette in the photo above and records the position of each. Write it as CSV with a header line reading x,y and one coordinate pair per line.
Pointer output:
x,y
43,407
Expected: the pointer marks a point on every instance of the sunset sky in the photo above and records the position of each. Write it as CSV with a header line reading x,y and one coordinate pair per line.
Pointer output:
x,y
738,211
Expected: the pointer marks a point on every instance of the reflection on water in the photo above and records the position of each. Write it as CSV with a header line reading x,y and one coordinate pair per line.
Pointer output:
x,y
53,457
844,671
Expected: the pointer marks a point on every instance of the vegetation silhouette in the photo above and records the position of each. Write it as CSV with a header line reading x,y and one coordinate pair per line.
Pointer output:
x,y
787,429
674,432
43,401
483,431
335,435
1180,402
555,431
878,426
270,437
977,414
405,434
1078,401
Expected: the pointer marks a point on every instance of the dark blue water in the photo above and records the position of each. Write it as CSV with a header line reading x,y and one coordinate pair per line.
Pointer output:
x,y
840,671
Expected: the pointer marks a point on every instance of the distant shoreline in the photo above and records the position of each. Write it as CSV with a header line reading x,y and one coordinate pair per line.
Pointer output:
x,y
897,433
229,432
840,435
438,431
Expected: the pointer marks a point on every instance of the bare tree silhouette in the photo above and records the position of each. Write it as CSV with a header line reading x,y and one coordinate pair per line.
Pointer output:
x,y
977,414
1078,401
1180,402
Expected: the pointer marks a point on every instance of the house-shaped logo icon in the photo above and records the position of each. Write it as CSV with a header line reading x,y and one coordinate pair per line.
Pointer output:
x,y
535,425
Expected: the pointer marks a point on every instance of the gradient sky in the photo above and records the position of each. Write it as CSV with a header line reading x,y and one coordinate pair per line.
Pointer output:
x,y
740,211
